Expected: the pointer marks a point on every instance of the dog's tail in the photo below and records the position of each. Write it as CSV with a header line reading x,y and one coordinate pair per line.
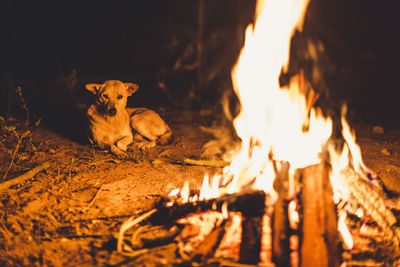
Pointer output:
x,y
166,138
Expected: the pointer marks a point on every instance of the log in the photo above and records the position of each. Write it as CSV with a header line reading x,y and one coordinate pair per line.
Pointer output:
x,y
319,240
250,247
252,202
280,221
207,248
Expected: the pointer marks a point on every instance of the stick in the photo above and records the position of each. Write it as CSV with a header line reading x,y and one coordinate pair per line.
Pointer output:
x,y
209,163
128,224
28,175
94,198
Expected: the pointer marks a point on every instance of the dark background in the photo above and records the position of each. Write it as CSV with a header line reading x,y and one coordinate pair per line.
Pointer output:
x,y
154,43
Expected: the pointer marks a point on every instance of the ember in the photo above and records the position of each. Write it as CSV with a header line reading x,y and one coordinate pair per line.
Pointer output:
x,y
300,200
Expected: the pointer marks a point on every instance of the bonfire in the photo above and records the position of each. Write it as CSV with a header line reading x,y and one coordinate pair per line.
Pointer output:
x,y
290,196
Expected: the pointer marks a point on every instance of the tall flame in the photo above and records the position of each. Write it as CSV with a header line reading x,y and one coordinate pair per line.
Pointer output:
x,y
277,123
272,118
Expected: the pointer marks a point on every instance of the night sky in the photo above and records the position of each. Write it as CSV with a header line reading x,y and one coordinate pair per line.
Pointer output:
x,y
144,40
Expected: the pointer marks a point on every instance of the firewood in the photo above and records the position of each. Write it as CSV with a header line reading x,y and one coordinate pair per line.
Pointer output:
x,y
319,237
28,175
252,202
250,247
280,221
207,248
159,239
373,205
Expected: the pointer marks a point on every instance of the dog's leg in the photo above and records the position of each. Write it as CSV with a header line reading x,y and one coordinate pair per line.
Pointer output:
x,y
142,143
105,145
124,142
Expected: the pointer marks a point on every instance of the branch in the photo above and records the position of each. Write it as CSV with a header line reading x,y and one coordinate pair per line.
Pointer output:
x,y
28,175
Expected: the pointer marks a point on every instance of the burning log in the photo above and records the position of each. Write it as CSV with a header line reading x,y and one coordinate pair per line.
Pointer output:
x,y
315,242
207,248
252,203
250,247
166,212
319,245
280,239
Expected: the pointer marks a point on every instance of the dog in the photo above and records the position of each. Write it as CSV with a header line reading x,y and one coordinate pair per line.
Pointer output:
x,y
114,127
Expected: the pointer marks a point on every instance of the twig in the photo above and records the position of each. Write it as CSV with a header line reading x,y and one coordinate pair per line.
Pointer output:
x,y
128,224
94,198
28,175
209,163
19,140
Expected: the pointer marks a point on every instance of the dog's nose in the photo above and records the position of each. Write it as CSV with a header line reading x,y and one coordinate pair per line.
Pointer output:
x,y
112,111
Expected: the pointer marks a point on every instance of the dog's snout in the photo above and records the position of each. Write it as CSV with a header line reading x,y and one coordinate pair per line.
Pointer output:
x,y
112,111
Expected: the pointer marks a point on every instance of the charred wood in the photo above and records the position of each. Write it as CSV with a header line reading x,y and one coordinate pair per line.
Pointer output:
x,y
250,247
252,202
207,248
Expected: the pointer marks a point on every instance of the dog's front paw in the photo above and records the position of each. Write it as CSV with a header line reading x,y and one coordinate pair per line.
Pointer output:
x,y
119,153
142,145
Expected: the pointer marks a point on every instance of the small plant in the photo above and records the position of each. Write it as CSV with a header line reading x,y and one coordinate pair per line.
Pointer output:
x,y
20,138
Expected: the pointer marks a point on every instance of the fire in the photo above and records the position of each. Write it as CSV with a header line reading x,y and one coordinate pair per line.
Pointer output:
x,y
278,123
272,119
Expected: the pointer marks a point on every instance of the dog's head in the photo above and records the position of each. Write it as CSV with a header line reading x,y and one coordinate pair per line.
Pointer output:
x,y
111,96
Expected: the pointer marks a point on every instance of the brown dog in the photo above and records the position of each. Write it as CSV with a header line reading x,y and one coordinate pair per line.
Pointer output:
x,y
112,125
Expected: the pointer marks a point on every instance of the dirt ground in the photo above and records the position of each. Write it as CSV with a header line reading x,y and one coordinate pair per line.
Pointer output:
x,y
69,214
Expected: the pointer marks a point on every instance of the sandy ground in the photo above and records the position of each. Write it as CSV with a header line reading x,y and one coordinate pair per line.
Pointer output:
x,y
69,214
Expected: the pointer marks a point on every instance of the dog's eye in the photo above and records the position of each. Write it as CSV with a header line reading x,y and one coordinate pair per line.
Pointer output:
x,y
119,96
105,96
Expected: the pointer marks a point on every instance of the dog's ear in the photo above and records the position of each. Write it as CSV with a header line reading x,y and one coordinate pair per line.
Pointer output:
x,y
131,88
93,87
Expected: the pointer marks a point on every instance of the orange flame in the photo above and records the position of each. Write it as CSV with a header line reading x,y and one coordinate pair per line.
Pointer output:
x,y
279,123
